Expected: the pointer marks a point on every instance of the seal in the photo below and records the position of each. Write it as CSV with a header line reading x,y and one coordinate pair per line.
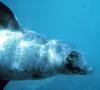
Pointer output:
x,y
25,54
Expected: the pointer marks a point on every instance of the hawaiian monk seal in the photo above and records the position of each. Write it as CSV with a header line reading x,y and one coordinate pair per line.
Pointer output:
x,y
26,54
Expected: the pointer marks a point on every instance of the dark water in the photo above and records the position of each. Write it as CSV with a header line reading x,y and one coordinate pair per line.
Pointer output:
x,y
74,21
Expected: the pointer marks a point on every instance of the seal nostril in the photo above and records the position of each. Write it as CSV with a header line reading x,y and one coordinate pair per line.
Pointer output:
x,y
90,69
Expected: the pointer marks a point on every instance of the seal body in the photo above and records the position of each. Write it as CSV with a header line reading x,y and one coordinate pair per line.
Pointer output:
x,y
29,55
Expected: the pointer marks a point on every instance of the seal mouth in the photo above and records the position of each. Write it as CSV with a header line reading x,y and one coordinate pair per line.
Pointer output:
x,y
78,70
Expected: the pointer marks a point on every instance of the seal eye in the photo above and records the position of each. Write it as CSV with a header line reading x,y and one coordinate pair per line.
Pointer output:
x,y
72,56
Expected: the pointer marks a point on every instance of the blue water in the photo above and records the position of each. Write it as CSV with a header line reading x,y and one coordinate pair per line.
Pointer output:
x,y
74,21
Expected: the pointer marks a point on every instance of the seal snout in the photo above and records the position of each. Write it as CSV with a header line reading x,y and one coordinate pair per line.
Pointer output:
x,y
76,64
88,69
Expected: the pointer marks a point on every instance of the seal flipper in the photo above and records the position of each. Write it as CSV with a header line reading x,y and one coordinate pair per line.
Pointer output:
x,y
7,18
3,83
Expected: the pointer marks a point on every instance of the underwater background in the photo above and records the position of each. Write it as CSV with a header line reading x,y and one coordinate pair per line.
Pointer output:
x,y
74,21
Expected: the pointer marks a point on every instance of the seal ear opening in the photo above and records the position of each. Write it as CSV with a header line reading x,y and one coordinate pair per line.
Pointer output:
x,y
7,18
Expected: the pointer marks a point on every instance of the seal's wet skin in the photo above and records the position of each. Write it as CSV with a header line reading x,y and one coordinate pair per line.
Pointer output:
x,y
28,55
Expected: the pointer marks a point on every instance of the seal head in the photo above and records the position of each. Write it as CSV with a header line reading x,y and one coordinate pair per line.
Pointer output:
x,y
76,63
